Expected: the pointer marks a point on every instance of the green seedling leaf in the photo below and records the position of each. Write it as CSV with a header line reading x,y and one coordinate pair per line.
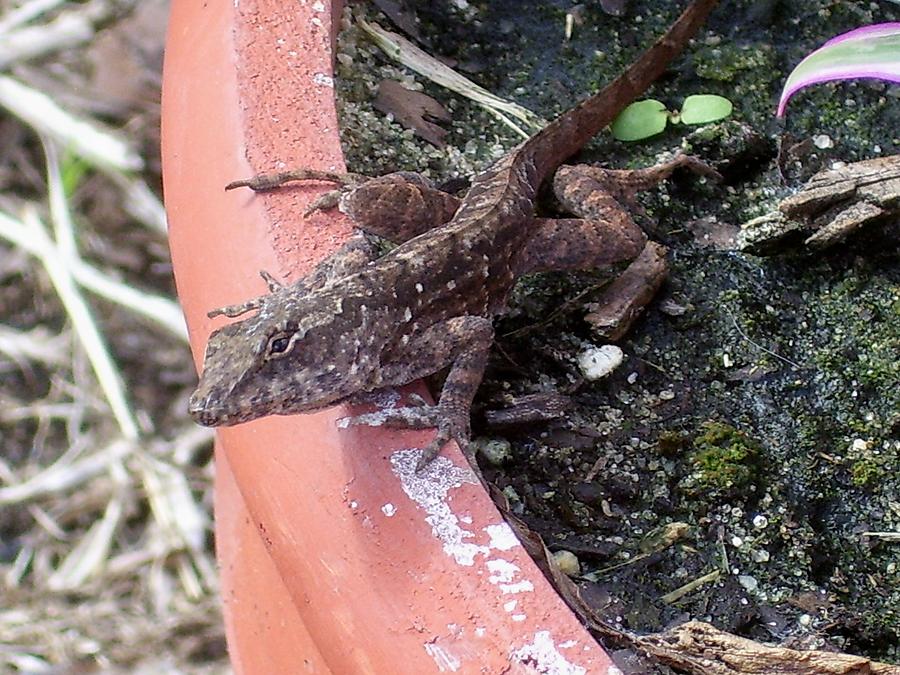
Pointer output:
x,y
705,108
640,120
871,51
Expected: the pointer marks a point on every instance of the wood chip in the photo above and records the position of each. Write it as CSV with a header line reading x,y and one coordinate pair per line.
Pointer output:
x,y
833,205
626,297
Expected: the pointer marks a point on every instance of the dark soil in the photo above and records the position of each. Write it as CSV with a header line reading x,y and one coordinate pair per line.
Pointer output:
x,y
758,402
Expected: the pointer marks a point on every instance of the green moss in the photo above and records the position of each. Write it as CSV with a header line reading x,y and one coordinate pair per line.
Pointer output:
x,y
731,60
723,457
862,335
866,471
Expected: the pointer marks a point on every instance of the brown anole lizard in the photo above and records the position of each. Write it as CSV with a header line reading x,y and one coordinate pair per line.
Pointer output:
x,y
357,324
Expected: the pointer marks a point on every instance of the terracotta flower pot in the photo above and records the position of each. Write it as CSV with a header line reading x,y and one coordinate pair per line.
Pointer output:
x,y
335,556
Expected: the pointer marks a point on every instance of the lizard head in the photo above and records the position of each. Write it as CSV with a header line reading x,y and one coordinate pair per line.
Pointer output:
x,y
295,355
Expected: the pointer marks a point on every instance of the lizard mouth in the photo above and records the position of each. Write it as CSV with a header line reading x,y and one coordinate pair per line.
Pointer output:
x,y
202,413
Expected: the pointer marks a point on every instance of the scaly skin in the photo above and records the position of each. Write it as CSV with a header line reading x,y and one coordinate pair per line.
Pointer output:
x,y
355,328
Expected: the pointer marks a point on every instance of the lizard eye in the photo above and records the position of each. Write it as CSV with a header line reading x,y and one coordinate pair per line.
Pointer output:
x,y
279,345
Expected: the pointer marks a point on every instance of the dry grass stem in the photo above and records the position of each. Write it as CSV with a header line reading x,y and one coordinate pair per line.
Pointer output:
x,y
106,518
37,344
141,203
101,148
162,311
89,555
402,50
66,474
25,12
56,262
83,323
67,29
885,536
681,591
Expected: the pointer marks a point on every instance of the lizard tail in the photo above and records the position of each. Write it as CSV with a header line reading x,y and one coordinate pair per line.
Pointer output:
x,y
563,137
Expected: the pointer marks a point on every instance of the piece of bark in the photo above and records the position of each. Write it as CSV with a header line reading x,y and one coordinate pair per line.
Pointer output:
x,y
626,297
834,204
413,110
701,648
529,409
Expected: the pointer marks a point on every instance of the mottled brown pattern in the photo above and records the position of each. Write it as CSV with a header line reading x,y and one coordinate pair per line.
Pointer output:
x,y
358,326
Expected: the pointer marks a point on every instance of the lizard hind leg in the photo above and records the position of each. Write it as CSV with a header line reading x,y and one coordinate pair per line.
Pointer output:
x,y
592,191
272,181
398,206
605,232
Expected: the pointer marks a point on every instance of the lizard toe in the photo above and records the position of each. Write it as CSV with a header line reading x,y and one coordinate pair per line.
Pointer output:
x,y
450,427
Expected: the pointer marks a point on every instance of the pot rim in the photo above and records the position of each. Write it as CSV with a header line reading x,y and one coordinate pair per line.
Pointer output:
x,y
335,554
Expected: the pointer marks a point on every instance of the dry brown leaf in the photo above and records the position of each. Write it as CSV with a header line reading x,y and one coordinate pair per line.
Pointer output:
x,y
413,110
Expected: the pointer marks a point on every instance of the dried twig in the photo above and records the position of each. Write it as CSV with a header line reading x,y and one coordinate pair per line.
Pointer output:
x,y
97,146
404,51
162,311
67,29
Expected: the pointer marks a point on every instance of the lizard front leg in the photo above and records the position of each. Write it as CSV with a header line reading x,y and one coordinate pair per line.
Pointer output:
x,y
463,344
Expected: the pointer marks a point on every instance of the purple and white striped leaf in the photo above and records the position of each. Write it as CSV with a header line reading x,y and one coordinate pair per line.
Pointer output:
x,y
868,52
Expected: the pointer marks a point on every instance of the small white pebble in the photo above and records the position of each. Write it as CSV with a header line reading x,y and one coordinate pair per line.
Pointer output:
x,y
726,360
737,542
632,378
860,445
598,362
822,141
748,582
389,509
760,522
805,620
666,395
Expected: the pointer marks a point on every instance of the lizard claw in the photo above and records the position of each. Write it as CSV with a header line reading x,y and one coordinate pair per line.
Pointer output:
x,y
448,430
449,424
323,202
